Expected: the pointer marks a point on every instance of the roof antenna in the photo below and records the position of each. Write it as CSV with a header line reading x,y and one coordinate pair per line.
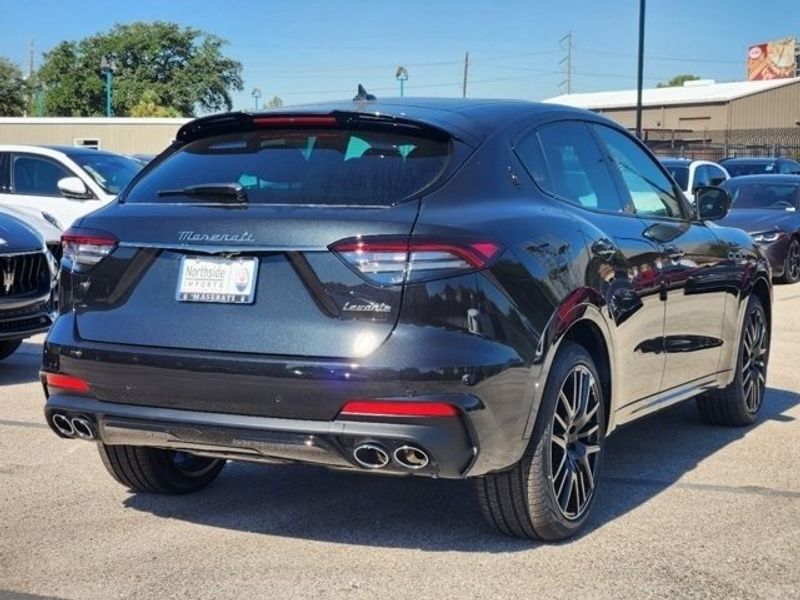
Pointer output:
x,y
363,95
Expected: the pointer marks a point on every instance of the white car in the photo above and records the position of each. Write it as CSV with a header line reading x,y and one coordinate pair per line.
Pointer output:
x,y
691,174
62,182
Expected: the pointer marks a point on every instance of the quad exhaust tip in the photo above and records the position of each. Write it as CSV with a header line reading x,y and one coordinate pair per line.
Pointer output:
x,y
63,425
83,428
411,457
371,456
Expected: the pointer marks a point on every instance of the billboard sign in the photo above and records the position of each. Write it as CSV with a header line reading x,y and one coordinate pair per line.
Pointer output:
x,y
773,60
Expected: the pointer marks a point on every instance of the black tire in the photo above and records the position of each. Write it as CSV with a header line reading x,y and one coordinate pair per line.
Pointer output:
x,y
159,471
8,347
791,265
738,404
523,501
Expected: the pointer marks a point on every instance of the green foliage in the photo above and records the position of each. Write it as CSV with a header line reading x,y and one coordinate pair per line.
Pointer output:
x,y
276,102
12,89
150,106
677,81
158,66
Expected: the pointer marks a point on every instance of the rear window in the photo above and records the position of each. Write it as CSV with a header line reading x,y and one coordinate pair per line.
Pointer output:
x,y
754,168
325,166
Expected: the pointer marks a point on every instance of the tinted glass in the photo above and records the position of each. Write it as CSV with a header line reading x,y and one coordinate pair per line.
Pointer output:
x,y
111,172
679,174
789,167
326,166
651,191
779,196
575,166
36,175
702,176
750,168
530,153
716,175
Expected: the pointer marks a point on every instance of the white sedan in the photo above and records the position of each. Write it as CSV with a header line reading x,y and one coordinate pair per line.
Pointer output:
x,y
62,182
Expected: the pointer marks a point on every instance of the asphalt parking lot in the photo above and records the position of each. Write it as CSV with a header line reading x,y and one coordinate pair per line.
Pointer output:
x,y
686,511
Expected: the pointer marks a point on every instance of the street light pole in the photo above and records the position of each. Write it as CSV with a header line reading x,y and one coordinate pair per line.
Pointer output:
x,y
402,76
256,93
107,68
640,73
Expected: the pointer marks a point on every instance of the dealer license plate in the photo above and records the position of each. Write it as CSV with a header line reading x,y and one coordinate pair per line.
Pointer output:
x,y
220,280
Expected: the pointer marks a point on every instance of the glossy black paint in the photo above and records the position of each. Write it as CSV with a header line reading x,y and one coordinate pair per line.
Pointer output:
x,y
658,301
27,275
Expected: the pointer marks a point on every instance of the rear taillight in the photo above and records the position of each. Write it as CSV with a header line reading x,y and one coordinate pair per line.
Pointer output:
x,y
389,260
86,247
66,382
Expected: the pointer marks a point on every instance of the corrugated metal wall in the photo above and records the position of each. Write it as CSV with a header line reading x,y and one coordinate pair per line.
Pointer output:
x,y
774,108
126,136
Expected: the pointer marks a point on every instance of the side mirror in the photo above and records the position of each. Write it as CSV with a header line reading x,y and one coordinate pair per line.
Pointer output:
x,y
713,203
74,188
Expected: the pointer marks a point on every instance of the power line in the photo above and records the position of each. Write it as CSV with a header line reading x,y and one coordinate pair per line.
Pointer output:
x,y
659,58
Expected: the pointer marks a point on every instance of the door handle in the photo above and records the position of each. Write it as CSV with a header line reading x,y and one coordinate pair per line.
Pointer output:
x,y
674,253
604,249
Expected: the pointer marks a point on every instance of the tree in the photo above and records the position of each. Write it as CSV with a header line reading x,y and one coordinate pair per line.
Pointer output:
x,y
181,68
677,81
12,89
276,102
150,106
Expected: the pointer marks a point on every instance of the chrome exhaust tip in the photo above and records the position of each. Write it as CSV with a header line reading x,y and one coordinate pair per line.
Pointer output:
x,y
371,456
63,425
411,457
83,428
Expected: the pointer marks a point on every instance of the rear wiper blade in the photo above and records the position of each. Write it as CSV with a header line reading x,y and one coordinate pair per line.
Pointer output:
x,y
225,192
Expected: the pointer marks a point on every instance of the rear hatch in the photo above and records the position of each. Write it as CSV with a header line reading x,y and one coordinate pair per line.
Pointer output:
x,y
224,244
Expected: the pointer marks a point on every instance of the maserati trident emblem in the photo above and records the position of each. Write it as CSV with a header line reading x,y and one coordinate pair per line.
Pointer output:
x,y
8,280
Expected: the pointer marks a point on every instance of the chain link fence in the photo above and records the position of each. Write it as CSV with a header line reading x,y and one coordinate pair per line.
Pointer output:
x,y
716,145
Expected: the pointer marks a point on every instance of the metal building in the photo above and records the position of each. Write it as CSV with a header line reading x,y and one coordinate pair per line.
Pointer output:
x,y
700,105
117,134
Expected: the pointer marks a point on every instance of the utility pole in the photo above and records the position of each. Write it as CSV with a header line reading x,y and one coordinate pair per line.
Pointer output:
x,y
466,74
566,62
30,59
640,73
107,68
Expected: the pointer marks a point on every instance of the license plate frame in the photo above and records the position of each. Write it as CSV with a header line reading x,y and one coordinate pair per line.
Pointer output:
x,y
217,280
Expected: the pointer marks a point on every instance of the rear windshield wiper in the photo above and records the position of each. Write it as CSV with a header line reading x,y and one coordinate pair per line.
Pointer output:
x,y
221,192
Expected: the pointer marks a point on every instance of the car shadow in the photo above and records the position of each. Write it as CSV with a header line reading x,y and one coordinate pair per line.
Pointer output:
x,y
314,503
22,366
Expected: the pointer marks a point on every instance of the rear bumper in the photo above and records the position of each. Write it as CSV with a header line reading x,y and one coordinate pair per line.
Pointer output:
x,y
270,408
445,440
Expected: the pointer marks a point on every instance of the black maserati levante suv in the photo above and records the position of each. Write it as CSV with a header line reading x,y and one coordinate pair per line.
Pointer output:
x,y
443,288
27,283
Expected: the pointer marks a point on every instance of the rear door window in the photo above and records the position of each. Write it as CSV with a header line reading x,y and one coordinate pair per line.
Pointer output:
x,y
303,167
575,169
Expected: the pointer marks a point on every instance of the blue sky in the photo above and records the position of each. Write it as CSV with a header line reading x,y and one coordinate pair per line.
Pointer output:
x,y
315,50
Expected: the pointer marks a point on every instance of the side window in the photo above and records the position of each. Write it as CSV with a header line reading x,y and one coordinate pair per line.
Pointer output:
x,y
651,191
530,154
702,176
36,175
717,176
789,167
575,167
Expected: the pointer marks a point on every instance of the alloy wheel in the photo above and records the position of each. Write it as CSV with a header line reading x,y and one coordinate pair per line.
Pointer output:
x,y
794,261
576,439
754,360
192,465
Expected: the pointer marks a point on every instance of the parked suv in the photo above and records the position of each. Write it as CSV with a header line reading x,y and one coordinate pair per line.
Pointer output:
x,y
737,167
443,288
27,282
692,174
61,181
